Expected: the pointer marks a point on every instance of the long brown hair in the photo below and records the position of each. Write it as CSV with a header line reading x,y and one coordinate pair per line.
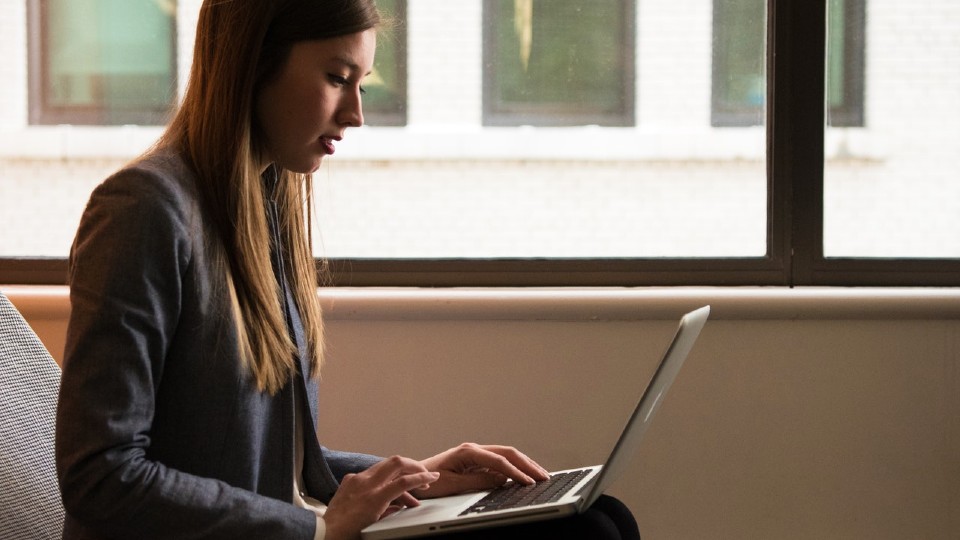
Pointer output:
x,y
240,46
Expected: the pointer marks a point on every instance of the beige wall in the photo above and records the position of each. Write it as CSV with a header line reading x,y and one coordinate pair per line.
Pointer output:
x,y
800,413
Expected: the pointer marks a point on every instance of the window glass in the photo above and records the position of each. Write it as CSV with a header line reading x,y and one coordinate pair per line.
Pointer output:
x,y
384,104
845,54
558,62
739,79
739,73
890,187
105,62
669,186
446,184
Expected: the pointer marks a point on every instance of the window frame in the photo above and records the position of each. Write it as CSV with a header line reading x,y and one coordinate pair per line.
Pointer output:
x,y
497,113
795,148
42,113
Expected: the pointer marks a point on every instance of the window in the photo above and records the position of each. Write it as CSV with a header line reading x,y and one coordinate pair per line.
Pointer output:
x,y
739,74
102,62
558,62
385,103
843,174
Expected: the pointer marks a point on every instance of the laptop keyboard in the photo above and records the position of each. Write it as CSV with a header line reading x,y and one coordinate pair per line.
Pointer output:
x,y
516,495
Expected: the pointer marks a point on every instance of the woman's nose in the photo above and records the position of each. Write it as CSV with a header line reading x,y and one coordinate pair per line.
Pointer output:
x,y
351,111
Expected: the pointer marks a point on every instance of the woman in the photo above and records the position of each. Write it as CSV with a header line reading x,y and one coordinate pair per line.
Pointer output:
x,y
189,393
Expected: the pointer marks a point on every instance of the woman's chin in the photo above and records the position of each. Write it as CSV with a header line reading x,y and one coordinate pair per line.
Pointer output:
x,y
308,166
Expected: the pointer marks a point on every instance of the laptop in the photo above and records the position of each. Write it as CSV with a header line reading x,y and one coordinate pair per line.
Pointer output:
x,y
567,492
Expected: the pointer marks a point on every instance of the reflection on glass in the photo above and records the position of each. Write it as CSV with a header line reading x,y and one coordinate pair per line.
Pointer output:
x,y
108,61
384,104
562,62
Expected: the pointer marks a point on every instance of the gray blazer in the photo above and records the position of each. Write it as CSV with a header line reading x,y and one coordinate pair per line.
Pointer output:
x,y
160,433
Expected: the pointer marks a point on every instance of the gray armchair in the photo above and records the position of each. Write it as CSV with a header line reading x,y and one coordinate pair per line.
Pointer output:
x,y
30,506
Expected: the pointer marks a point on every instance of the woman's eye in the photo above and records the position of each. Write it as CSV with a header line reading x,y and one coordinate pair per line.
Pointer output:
x,y
337,80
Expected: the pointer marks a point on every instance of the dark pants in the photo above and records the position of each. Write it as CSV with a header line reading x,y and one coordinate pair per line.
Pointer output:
x,y
607,519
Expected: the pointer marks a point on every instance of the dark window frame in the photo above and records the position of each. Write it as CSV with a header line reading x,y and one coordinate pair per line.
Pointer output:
x,y
499,113
794,256
42,113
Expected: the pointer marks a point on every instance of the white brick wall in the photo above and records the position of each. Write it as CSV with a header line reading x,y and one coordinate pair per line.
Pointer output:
x,y
446,186
13,68
554,208
673,64
444,66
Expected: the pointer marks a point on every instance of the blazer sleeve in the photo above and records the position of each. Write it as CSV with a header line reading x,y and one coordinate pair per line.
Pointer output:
x,y
343,463
132,247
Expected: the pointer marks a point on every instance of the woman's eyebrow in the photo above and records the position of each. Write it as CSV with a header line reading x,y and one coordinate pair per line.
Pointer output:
x,y
349,64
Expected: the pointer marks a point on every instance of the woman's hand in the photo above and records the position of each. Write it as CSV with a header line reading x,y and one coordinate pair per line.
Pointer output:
x,y
473,467
365,497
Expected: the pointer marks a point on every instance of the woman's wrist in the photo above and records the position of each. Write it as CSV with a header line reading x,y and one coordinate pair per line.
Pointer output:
x,y
321,531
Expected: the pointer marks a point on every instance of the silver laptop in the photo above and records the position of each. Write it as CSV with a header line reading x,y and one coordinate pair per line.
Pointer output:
x,y
567,492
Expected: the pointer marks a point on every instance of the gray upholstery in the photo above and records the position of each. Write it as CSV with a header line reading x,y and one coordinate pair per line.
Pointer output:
x,y
30,506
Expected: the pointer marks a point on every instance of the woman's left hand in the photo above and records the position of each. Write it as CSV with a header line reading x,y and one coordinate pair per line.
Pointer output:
x,y
473,467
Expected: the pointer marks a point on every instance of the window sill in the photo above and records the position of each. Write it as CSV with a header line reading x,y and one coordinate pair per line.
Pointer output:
x,y
463,142
593,304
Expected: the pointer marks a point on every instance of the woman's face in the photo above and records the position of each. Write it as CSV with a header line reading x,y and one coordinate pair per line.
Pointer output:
x,y
316,96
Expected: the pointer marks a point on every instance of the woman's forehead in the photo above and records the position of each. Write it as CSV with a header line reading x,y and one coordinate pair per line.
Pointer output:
x,y
351,51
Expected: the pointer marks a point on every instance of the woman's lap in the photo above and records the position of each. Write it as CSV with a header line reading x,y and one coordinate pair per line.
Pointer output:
x,y
606,519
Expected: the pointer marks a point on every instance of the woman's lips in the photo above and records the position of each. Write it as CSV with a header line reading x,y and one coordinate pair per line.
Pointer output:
x,y
328,146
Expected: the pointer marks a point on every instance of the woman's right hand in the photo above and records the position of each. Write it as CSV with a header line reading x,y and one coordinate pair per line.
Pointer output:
x,y
366,497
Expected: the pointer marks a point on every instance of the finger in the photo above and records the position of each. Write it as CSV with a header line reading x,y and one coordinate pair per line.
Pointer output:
x,y
394,466
398,489
406,499
474,481
485,458
392,509
395,491
397,474
515,456
392,479
521,461
452,483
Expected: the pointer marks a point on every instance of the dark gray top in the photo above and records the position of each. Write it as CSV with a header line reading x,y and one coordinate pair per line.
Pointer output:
x,y
160,432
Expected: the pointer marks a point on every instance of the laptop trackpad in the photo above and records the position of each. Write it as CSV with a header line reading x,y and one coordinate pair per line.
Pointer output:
x,y
431,509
